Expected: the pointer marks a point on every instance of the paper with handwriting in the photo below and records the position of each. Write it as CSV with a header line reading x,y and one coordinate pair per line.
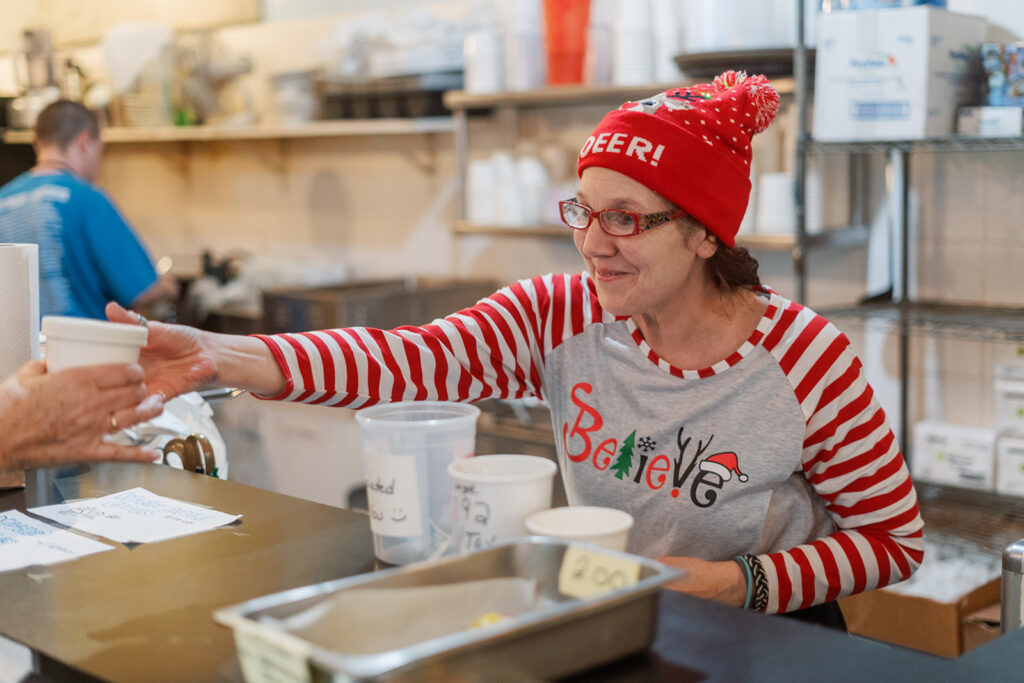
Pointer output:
x,y
135,516
25,541
393,496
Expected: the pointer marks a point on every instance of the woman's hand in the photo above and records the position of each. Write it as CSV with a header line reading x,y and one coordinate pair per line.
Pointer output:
x,y
720,581
57,418
176,358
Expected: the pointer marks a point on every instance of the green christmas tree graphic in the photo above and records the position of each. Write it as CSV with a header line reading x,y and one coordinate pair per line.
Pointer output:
x,y
625,459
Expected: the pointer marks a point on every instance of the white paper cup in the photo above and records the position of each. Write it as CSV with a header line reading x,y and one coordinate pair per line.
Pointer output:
x,y
74,342
407,447
494,494
606,527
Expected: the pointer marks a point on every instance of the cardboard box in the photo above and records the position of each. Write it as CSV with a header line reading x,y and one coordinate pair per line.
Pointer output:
x,y
982,626
990,122
895,74
946,453
919,623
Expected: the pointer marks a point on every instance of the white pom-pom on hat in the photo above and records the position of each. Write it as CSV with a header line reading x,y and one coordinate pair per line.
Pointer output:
x,y
761,92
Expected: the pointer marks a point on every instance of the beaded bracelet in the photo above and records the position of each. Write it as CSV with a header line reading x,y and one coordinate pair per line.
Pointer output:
x,y
750,579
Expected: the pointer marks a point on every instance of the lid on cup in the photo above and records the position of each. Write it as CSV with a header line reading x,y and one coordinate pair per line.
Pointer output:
x,y
99,331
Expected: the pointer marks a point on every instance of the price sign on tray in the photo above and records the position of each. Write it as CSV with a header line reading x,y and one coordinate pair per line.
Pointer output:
x,y
585,572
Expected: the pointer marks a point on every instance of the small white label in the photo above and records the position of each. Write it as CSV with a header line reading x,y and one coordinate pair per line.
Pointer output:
x,y
265,659
393,496
585,573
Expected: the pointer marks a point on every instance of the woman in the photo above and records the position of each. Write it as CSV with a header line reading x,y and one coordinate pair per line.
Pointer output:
x,y
735,426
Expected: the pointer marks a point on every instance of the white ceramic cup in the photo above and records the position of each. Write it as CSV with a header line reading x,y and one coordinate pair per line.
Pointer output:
x,y
74,342
605,527
494,494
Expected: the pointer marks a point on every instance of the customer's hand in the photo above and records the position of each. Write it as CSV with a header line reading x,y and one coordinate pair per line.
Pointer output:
x,y
55,418
176,358
720,581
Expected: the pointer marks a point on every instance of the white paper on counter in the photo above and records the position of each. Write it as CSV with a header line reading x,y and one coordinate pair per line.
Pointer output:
x,y
25,541
135,516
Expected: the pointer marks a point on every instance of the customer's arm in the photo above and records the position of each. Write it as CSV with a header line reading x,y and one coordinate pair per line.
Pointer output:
x,y
50,419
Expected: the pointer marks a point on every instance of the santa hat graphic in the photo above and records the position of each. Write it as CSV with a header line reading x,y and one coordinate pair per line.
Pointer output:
x,y
723,464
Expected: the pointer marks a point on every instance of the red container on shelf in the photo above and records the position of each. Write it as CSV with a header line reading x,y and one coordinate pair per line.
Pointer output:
x,y
566,39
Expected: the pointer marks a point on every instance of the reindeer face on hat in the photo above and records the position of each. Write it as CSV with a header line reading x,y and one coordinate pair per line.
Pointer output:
x,y
690,145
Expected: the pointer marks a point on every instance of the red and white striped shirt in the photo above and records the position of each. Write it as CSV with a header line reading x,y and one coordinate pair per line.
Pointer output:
x,y
780,450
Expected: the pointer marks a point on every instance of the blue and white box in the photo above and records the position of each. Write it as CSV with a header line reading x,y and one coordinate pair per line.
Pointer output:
x,y
894,74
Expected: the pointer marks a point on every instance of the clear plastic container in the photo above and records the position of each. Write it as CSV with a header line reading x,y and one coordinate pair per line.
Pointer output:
x,y
407,447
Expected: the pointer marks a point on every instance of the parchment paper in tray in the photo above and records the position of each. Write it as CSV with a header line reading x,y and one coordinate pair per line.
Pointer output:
x,y
372,620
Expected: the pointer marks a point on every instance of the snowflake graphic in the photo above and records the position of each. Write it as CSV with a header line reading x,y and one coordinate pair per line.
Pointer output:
x,y
646,443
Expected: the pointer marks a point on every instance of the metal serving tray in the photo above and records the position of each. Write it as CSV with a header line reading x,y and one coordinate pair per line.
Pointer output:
x,y
559,636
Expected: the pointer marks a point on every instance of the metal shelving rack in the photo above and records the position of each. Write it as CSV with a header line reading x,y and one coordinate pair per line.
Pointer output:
x,y
976,322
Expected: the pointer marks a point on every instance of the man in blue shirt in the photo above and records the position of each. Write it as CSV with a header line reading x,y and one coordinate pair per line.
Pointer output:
x,y
88,255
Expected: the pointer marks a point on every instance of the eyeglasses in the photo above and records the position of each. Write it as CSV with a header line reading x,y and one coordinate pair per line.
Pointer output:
x,y
614,221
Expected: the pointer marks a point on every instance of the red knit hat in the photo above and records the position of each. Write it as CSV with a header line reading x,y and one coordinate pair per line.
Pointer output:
x,y
690,145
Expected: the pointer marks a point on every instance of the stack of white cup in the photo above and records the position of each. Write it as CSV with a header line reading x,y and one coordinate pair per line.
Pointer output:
x,y
633,40
482,51
666,40
506,190
599,60
523,40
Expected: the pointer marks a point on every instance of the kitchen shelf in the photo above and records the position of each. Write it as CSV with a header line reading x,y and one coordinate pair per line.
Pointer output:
x,y
962,321
312,129
771,62
838,237
834,238
951,143
572,95
461,227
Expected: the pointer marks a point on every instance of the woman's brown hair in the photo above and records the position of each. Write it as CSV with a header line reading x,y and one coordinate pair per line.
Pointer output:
x,y
729,267
732,267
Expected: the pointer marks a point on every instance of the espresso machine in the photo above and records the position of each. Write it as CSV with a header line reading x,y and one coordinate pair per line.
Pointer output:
x,y
34,71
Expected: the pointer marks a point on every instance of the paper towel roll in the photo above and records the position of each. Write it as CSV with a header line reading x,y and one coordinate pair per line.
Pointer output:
x,y
19,306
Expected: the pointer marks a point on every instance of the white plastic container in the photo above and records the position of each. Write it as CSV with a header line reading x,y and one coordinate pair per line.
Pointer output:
x,y
947,453
494,494
484,69
1010,465
1009,398
407,447
74,342
605,527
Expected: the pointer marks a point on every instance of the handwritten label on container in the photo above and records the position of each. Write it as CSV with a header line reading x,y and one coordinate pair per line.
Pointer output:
x,y
393,496
473,513
585,572
265,658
